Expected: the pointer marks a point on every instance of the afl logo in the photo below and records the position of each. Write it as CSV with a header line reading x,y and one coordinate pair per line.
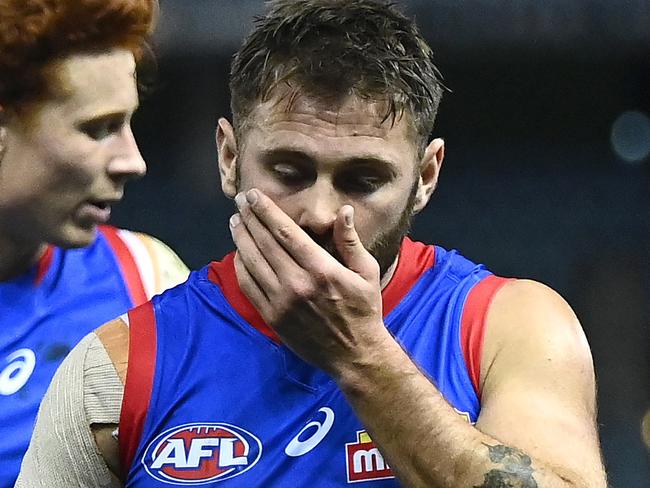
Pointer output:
x,y
195,454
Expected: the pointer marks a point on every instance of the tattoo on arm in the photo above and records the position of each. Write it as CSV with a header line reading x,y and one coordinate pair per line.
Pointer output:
x,y
515,469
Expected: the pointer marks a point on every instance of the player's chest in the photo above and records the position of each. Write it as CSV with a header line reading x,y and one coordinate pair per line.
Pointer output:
x,y
34,339
39,327
313,440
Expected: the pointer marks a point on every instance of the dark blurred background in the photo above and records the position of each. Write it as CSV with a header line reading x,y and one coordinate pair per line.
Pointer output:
x,y
546,175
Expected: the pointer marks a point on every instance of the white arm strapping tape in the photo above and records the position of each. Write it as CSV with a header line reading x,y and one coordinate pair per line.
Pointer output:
x,y
63,454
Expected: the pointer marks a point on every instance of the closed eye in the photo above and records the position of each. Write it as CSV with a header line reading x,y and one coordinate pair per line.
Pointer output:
x,y
291,174
361,182
103,127
286,171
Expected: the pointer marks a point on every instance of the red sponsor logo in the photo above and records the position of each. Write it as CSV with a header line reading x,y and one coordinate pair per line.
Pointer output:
x,y
364,462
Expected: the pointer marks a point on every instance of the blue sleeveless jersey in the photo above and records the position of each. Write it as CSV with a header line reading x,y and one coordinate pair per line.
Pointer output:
x,y
43,315
212,398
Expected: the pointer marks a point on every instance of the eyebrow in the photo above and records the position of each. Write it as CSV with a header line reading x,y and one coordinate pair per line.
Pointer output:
x,y
108,114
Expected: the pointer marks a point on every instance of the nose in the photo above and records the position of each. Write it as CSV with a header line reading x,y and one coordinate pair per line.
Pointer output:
x,y
320,204
127,162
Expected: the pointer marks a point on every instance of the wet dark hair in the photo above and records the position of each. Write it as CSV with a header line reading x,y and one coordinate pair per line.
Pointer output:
x,y
331,49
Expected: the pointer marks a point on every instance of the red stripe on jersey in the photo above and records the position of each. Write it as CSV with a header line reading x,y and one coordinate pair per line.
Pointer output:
x,y
139,381
127,264
472,328
44,264
223,274
415,259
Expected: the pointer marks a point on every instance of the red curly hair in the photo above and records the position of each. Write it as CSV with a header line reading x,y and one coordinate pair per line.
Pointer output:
x,y
34,33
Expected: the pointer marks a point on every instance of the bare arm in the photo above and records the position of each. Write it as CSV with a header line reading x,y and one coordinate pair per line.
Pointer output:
x,y
537,425
645,428
114,337
537,422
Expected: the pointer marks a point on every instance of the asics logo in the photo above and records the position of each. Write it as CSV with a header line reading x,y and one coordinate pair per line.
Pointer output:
x,y
315,432
14,376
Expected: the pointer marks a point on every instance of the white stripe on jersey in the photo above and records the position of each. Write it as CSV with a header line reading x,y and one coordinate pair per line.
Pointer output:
x,y
142,259
125,318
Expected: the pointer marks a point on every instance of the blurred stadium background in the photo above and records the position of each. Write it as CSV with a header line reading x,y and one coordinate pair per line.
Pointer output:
x,y
547,173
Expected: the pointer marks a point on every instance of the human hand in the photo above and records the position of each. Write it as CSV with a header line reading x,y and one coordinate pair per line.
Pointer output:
x,y
328,312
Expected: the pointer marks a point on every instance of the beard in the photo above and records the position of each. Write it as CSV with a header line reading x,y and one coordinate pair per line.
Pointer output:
x,y
385,247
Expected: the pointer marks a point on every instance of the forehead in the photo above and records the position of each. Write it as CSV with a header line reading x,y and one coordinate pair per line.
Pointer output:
x,y
91,83
344,129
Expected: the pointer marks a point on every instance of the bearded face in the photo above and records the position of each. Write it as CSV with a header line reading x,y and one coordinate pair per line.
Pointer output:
x,y
312,160
384,247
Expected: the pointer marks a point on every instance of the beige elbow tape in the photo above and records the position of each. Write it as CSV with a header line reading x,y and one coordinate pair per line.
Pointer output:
x,y
63,453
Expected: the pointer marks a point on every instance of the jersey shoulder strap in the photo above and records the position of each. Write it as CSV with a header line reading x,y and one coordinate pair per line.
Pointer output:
x,y
473,320
138,381
127,263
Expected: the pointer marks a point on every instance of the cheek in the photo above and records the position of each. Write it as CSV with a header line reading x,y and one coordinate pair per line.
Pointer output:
x,y
69,163
371,221
287,201
290,204
25,175
48,181
382,212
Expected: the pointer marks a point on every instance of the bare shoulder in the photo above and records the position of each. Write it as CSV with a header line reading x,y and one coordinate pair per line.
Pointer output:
x,y
527,317
645,428
114,336
525,299
537,381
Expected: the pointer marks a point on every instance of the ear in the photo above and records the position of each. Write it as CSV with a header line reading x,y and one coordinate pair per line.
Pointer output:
x,y
227,150
4,134
430,166
3,142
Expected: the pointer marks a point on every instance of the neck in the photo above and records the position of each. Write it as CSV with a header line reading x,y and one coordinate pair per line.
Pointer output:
x,y
16,257
388,275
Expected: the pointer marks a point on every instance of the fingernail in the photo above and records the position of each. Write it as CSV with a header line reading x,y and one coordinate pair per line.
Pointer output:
x,y
235,220
349,217
252,196
240,200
